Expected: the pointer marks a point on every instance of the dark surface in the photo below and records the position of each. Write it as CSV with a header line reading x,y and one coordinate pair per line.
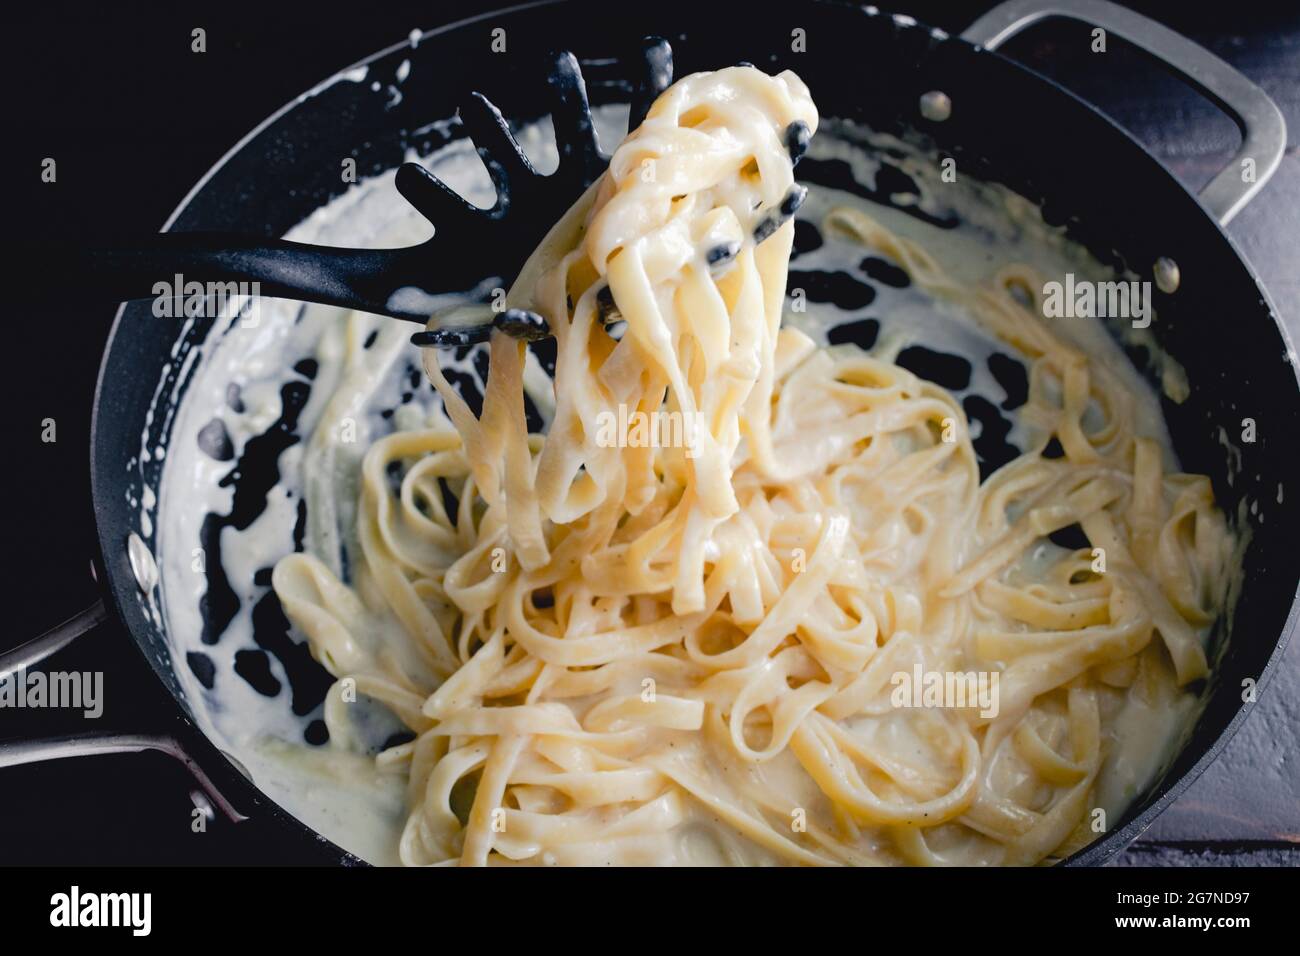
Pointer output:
x,y
134,118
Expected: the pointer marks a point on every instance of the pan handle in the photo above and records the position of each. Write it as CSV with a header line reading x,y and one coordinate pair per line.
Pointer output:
x,y
15,753
53,640
1263,130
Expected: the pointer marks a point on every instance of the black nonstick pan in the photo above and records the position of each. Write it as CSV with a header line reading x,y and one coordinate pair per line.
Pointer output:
x,y
1004,124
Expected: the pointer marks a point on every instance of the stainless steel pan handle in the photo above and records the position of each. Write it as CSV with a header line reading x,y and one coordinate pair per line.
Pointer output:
x,y
17,753
1263,130
14,753
53,640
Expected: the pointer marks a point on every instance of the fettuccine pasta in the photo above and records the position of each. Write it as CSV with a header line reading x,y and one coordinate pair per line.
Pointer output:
x,y
621,649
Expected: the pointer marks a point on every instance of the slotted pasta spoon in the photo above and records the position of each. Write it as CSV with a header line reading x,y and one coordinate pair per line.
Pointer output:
x,y
393,282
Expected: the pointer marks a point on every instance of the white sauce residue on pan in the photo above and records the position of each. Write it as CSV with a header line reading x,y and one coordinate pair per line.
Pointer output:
x,y
242,692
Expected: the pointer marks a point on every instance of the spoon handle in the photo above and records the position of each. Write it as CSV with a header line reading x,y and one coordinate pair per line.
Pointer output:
x,y
178,264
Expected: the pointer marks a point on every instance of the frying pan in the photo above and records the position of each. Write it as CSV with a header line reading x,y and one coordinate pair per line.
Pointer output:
x,y
1007,124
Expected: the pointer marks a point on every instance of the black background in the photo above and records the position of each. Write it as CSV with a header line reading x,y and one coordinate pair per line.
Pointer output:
x,y
134,118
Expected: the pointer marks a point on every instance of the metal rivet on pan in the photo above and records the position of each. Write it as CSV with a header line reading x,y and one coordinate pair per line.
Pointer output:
x,y
143,565
936,106
1166,273
202,804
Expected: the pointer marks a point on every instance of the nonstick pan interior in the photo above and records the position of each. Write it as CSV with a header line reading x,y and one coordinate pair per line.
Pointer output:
x,y
1089,177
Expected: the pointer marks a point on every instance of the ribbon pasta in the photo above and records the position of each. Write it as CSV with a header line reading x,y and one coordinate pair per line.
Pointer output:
x,y
616,652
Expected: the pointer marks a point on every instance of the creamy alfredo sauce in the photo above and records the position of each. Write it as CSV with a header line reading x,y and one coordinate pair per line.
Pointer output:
x,y
251,681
